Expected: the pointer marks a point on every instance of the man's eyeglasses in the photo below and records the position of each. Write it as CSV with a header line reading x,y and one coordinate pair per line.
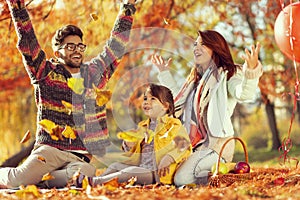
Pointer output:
x,y
72,47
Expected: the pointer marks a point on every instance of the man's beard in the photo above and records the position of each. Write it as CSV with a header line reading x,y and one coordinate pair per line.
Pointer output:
x,y
72,65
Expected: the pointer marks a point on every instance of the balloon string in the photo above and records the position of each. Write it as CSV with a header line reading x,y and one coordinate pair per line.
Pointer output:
x,y
286,144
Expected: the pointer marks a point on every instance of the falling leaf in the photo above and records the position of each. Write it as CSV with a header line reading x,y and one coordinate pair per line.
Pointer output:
x,y
51,128
42,159
166,21
26,137
47,177
76,84
103,96
68,132
130,136
56,134
48,125
68,106
94,16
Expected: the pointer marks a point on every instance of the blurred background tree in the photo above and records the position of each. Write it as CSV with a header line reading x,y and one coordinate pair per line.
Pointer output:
x,y
167,28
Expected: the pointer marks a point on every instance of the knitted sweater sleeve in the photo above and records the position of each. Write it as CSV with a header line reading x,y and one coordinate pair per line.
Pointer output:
x,y
102,67
33,57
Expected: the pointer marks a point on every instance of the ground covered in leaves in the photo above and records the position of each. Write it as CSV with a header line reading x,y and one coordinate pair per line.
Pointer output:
x,y
262,183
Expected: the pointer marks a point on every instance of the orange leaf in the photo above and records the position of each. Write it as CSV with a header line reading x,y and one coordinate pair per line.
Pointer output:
x,y
47,177
112,184
166,21
42,159
51,128
26,137
94,16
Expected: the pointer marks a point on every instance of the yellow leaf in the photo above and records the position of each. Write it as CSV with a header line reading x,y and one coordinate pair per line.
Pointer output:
x,y
26,137
131,182
74,192
130,136
94,16
51,128
112,184
47,177
48,125
68,132
30,189
102,96
68,106
76,84
33,189
85,183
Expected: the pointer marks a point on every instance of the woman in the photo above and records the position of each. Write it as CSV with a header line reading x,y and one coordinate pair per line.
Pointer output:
x,y
206,101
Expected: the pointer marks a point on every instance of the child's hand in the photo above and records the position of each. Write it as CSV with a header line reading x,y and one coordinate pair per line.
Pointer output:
x,y
164,165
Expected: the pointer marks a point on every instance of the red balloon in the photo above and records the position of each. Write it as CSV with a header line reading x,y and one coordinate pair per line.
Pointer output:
x,y
287,31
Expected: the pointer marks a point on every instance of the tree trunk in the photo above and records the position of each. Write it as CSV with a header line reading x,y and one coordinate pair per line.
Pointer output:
x,y
273,125
298,111
18,157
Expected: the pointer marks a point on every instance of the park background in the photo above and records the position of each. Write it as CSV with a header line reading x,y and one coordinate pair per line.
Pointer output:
x,y
171,26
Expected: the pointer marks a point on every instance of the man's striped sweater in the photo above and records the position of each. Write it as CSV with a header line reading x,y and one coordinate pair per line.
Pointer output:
x,y
50,81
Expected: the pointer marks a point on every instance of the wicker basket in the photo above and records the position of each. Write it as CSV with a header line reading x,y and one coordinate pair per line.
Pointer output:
x,y
224,180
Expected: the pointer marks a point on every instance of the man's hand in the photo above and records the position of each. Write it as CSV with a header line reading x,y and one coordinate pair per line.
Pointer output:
x,y
164,165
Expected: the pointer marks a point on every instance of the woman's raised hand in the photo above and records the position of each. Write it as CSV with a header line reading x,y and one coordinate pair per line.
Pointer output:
x,y
160,63
129,1
251,58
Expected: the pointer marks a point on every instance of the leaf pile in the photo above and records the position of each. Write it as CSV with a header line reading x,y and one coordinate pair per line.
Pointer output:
x,y
270,183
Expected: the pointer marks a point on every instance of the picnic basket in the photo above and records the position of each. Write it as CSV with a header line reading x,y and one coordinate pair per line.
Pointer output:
x,y
224,180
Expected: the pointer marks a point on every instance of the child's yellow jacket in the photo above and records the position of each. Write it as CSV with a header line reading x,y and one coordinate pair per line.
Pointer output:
x,y
170,137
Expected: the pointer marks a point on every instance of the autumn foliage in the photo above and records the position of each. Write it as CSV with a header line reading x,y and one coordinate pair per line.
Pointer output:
x,y
269,183
164,27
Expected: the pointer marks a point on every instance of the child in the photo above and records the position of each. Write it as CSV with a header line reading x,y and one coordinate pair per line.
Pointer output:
x,y
161,143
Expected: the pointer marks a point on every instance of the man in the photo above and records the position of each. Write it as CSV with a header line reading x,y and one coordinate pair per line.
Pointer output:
x,y
71,122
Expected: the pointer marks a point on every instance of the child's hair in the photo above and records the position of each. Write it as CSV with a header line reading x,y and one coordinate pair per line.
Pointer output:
x,y
164,95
